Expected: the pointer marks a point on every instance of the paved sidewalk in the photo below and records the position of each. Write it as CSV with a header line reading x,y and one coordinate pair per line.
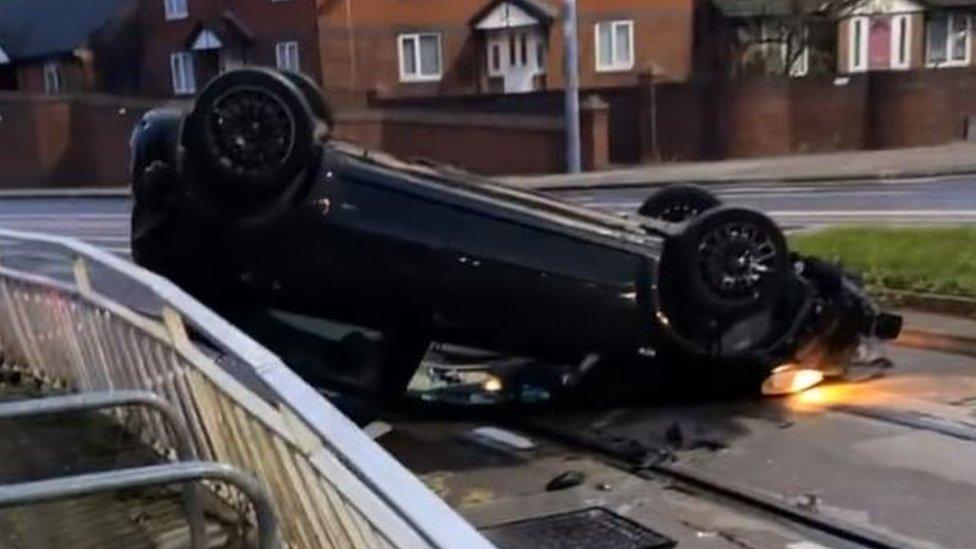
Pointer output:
x,y
952,159
67,192
939,324
840,167
952,334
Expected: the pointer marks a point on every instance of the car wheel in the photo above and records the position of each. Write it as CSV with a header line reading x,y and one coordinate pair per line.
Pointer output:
x,y
251,133
677,203
729,262
155,142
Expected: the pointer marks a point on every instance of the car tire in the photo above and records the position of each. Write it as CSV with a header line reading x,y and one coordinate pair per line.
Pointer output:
x,y
728,262
250,134
315,98
155,142
678,203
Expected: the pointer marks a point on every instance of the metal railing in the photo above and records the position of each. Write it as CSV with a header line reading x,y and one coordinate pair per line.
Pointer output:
x,y
41,491
332,485
83,402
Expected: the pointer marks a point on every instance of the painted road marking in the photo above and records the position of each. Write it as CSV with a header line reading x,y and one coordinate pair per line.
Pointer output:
x,y
874,213
64,215
820,194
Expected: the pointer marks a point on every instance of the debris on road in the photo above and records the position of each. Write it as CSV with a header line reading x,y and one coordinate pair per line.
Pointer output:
x,y
569,479
502,436
376,429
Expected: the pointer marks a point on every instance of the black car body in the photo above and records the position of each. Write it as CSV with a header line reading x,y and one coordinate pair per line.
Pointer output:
x,y
244,202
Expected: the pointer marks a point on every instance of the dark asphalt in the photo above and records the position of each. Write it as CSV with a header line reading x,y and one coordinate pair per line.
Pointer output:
x,y
924,200
913,485
105,221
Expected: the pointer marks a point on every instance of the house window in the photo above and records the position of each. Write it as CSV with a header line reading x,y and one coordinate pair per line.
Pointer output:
x,y
541,58
947,40
799,53
800,64
52,78
900,42
494,58
184,76
420,57
512,52
858,54
615,46
175,9
286,54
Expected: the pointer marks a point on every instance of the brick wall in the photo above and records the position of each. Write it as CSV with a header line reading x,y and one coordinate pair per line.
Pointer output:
x,y
483,143
65,141
79,141
83,140
924,108
826,117
768,117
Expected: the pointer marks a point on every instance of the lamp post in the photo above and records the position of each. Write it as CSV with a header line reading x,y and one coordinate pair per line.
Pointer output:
x,y
571,65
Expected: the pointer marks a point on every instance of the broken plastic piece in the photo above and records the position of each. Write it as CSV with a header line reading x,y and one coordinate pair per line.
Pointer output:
x,y
502,436
565,480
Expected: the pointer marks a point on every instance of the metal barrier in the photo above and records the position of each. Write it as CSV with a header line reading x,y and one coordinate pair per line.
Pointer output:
x,y
62,404
332,485
40,491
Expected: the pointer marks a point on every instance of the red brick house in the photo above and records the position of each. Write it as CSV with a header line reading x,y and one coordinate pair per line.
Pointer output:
x,y
430,47
187,42
905,34
68,46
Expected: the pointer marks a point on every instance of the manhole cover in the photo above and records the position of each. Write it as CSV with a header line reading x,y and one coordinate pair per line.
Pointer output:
x,y
588,528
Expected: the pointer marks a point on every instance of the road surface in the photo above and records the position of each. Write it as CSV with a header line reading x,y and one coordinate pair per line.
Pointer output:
x,y
105,221
892,458
927,200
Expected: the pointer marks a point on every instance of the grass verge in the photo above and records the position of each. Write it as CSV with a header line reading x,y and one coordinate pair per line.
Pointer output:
x,y
933,260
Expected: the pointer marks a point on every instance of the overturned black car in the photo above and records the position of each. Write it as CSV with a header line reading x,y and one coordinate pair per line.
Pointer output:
x,y
349,263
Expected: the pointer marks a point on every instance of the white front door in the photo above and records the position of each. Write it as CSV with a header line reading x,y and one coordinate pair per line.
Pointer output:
x,y
517,56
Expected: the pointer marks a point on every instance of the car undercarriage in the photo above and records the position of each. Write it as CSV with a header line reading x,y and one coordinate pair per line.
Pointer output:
x,y
349,263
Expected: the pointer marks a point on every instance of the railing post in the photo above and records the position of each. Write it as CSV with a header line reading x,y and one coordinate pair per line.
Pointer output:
x,y
176,329
82,279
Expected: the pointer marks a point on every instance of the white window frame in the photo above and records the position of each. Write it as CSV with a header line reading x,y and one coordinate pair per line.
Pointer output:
x,y
949,61
861,49
176,9
801,65
418,76
287,56
53,82
615,65
899,39
183,73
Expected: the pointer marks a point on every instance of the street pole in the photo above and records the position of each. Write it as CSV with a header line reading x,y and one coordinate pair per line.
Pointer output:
x,y
571,65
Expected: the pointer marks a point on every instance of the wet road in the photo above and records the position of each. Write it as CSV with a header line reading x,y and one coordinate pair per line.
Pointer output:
x,y
105,221
903,483
924,200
